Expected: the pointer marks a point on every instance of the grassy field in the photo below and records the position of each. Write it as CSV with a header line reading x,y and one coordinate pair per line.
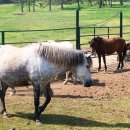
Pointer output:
x,y
68,114
12,19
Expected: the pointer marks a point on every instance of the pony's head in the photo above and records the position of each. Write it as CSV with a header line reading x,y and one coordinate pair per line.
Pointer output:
x,y
95,43
128,46
69,59
83,73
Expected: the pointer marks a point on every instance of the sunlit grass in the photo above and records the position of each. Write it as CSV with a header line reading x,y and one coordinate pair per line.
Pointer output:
x,y
68,113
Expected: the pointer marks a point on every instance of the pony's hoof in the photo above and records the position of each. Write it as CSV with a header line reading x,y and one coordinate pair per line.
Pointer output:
x,y
12,93
12,129
38,122
65,82
122,67
5,115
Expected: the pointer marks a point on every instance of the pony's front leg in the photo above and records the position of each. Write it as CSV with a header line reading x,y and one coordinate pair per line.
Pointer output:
x,y
104,60
99,60
36,89
66,77
2,98
47,94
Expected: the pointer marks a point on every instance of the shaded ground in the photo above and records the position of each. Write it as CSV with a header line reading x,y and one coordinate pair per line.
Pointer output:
x,y
106,85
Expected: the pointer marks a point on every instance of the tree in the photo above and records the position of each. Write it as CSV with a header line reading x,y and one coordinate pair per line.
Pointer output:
x,y
62,4
22,5
121,2
49,5
34,1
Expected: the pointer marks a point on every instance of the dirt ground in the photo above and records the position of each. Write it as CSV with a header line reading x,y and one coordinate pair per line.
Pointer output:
x,y
106,85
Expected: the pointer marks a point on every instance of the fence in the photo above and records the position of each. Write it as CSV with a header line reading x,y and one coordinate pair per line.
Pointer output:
x,y
77,28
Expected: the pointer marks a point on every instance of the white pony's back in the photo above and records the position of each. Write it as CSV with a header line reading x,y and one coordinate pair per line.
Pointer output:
x,y
64,44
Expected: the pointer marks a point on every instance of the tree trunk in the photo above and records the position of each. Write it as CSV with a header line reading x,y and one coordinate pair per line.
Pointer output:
x,y
22,5
29,4
111,2
62,5
34,5
121,2
49,5
100,3
90,2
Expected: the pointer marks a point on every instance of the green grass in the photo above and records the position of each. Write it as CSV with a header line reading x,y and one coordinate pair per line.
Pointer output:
x,y
68,114
43,19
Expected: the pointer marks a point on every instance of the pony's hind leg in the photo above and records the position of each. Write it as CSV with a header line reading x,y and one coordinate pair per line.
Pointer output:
x,y
13,91
3,89
66,77
120,60
36,89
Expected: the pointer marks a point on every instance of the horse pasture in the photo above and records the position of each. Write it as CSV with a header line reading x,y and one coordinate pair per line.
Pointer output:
x,y
104,106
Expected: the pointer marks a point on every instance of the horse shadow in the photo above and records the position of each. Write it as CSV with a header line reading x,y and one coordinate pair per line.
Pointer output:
x,y
97,82
56,119
121,71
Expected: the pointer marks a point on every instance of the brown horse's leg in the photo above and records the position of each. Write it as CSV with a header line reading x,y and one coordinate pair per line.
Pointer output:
x,y
120,60
104,60
99,60
122,64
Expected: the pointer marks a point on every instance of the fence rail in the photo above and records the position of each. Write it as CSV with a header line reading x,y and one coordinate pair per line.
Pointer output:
x,y
77,29
53,29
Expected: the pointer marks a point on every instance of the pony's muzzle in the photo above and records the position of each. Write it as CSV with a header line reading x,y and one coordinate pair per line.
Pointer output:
x,y
88,83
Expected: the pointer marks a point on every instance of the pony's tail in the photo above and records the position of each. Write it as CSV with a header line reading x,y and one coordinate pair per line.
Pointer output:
x,y
124,52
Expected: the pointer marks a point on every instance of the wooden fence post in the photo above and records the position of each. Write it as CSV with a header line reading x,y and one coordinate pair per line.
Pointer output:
x,y
121,24
3,37
77,30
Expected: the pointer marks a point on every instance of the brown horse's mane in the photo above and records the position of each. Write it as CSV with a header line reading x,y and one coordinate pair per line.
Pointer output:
x,y
99,40
61,56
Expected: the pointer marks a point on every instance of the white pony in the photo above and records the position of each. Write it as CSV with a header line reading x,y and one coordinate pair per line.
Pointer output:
x,y
69,74
65,44
38,64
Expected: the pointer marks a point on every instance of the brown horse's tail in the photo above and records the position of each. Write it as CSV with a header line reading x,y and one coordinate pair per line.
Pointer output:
x,y
124,52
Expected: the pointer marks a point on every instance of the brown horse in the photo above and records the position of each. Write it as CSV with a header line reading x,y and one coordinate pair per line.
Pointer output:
x,y
109,46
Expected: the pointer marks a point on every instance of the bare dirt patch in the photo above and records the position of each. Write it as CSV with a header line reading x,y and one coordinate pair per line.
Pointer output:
x,y
106,85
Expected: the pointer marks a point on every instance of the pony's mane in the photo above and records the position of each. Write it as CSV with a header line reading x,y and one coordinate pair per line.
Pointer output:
x,y
98,38
66,57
